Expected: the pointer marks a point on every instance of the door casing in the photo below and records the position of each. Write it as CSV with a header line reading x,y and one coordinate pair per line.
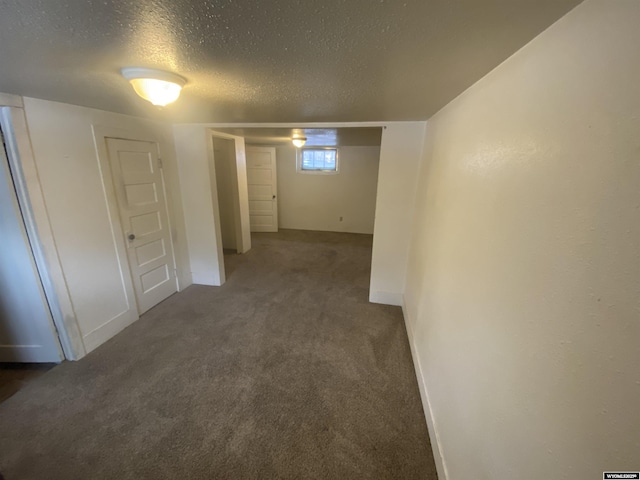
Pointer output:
x,y
29,332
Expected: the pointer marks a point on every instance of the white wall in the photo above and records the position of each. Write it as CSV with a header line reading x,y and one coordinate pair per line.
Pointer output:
x,y
199,201
317,201
65,155
194,151
400,155
523,289
225,176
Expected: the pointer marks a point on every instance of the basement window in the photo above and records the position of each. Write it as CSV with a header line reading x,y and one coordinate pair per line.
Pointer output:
x,y
322,160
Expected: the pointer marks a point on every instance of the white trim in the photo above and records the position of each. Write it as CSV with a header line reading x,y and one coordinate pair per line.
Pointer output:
x,y
28,353
386,298
206,278
240,189
241,209
41,235
436,444
228,136
23,210
170,221
298,124
8,100
107,330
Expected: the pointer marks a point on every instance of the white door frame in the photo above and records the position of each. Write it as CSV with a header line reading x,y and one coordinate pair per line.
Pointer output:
x,y
36,219
30,316
241,208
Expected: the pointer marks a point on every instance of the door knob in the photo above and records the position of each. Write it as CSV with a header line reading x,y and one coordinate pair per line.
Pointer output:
x,y
274,197
131,236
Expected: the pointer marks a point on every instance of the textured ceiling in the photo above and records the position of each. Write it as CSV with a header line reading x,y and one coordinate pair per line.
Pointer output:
x,y
266,61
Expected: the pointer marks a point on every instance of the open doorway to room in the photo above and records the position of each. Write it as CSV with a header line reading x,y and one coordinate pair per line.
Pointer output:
x,y
329,184
228,200
228,182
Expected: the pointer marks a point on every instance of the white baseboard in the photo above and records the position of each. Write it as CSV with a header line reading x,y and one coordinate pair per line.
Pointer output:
x,y
27,353
108,330
209,279
436,445
184,280
386,298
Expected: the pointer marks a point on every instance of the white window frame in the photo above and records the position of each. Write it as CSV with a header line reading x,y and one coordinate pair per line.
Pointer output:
x,y
299,168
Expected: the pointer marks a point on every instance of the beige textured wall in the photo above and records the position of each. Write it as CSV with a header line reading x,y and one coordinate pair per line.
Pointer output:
x,y
523,289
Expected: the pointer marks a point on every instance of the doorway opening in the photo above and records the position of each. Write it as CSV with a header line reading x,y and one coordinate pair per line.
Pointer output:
x,y
285,193
226,174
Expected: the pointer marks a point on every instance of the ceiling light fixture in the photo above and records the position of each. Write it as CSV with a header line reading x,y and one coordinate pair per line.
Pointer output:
x,y
299,141
157,86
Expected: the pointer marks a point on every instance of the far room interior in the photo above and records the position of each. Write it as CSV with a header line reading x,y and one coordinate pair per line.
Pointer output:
x,y
326,183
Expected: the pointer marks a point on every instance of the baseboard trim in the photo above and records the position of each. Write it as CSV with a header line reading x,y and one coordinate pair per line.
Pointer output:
x,y
108,330
436,445
27,353
205,279
386,298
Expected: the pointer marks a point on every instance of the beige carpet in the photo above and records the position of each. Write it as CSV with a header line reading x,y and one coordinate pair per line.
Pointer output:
x,y
15,376
284,372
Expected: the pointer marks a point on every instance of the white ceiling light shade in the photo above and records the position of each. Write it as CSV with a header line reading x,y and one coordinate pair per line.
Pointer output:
x,y
157,86
299,141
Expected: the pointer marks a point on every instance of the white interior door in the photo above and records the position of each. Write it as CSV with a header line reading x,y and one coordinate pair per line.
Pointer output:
x,y
27,333
139,188
263,189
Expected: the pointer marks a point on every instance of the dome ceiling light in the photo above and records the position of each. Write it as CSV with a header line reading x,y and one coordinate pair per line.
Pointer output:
x,y
156,86
299,141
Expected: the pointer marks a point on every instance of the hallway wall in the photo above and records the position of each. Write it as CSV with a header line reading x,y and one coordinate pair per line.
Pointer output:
x,y
522,292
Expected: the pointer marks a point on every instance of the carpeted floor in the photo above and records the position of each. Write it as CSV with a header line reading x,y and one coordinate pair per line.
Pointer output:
x,y
14,376
286,372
